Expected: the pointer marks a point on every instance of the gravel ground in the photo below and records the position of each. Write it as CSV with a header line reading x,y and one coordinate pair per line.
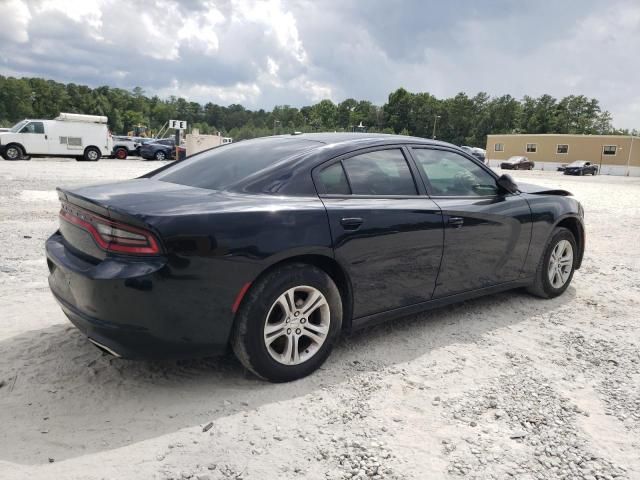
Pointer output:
x,y
507,386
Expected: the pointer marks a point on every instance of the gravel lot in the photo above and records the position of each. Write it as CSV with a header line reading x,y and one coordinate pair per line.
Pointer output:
x,y
508,386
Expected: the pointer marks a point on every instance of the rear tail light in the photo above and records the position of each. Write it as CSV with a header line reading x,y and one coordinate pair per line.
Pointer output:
x,y
111,236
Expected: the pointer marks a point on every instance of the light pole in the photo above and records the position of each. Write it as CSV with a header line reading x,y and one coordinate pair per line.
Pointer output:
x,y
275,122
435,122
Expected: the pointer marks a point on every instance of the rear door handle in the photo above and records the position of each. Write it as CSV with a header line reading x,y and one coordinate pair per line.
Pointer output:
x,y
456,222
351,223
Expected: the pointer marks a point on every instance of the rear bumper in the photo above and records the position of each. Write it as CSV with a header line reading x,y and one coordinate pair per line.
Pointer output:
x,y
135,308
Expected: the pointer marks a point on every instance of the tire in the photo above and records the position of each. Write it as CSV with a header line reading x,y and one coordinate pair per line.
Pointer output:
x,y
13,152
160,155
543,286
262,307
92,154
121,153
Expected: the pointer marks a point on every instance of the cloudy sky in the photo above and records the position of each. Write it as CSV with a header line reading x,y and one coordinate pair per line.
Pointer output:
x,y
263,53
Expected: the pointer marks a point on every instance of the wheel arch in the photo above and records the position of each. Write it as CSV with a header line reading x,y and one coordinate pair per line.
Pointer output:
x,y
332,268
574,225
94,147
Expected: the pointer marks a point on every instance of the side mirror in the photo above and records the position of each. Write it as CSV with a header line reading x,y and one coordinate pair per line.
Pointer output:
x,y
507,183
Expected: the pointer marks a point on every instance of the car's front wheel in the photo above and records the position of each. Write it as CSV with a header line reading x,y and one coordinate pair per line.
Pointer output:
x,y
160,155
288,323
557,265
13,152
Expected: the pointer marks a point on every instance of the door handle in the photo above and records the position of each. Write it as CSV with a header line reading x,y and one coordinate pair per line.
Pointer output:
x,y
351,223
456,222
46,138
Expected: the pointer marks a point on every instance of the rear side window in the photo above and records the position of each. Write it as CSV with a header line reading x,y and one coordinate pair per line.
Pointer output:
x,y
384,172
221,167
334,180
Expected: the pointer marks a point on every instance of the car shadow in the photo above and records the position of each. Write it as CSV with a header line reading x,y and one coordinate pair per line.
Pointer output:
x,y
63,398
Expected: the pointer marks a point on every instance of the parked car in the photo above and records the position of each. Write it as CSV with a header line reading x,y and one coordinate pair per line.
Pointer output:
x,y
479,153
276,245
124,146
164,149
581,168
517,163
84,137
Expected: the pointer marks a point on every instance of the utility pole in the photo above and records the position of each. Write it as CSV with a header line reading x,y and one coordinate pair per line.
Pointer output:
x,y
275,122
435,122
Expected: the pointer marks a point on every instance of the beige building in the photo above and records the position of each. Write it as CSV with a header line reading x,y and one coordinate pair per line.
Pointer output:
x,y
617,154
196,143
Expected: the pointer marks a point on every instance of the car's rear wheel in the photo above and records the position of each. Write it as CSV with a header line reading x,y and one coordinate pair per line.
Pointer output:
x,y
288,323
557,265
160,155
121,153
92,154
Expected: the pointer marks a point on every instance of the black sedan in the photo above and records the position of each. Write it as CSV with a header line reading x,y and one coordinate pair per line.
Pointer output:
x,y
517,163
164,149
274,246
580,168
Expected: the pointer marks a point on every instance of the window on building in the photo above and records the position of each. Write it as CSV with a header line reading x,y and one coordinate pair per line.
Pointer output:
x,y
532,147
499,147
562,148
609,149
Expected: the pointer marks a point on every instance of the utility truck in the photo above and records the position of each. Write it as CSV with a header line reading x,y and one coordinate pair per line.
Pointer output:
x,y
83,137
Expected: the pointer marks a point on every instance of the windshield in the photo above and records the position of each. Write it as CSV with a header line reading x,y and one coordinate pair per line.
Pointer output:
x,y
576,164
18,126
224,166
514,159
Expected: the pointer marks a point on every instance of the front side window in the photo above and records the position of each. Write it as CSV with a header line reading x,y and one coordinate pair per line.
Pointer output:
x,y
384,172
532,147
498,147
609,149
450,174
563,148
33,127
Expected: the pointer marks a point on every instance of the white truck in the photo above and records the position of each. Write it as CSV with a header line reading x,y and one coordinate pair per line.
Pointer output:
x,y
83,137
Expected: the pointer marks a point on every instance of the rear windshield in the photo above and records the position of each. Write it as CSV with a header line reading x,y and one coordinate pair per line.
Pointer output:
x,y
227,165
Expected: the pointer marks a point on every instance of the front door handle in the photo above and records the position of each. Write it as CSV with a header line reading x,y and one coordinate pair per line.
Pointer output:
x,y
456,222
351,223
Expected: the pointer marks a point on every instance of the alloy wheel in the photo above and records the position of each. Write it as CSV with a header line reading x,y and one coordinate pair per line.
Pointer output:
x,y
13,153
297,325
560,264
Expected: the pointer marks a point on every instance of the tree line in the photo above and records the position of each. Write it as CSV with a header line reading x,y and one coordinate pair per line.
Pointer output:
x,y
462,120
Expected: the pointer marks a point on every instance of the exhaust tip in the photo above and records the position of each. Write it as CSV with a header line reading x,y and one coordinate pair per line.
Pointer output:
x,y
104,348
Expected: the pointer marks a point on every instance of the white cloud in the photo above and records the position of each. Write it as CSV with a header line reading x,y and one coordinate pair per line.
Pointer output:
x,y
266,52
14,21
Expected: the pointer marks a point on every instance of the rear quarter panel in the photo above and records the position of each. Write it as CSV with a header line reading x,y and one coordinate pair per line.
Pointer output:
x,y
214,252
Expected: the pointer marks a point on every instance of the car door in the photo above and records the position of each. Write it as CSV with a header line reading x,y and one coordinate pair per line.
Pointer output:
x,y
34,138
486,230
385,231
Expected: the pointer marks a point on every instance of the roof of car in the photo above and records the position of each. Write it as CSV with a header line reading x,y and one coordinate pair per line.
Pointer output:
x,y
329,138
